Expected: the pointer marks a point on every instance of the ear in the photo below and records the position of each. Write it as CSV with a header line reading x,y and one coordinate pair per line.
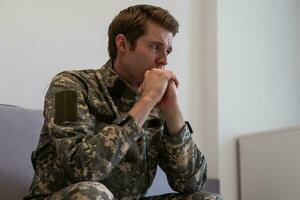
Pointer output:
x,y
121,43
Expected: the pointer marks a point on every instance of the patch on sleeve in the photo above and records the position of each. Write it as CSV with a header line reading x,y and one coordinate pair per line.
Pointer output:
x,y
66,107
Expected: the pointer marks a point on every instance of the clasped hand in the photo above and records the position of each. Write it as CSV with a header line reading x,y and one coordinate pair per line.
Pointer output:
x,y
160,87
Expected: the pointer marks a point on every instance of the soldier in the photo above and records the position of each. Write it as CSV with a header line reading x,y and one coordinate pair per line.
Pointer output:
x,y
107,129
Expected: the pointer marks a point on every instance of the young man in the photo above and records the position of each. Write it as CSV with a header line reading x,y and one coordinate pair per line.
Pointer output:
x,y
106,130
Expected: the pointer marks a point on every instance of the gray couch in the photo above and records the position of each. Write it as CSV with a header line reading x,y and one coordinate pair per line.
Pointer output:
x,y
19,133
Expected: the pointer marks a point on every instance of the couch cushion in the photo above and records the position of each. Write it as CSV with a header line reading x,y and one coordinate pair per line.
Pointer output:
x,y
20,129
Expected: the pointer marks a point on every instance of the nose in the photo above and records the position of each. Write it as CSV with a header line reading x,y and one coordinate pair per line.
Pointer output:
x,y
163,60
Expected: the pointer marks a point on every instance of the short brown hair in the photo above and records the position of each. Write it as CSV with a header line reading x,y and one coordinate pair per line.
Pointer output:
x,y
132,23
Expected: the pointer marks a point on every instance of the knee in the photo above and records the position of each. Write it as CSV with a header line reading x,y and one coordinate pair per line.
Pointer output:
x,y
95,189
217,196
84,190
206,196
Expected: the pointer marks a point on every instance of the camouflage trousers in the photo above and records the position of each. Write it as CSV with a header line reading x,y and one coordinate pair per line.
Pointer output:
x,y
96,191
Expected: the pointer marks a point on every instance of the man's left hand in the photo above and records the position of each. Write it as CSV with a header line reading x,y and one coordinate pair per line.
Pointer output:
x,y
170,108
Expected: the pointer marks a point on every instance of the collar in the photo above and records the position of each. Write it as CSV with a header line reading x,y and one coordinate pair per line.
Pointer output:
x,y
121,92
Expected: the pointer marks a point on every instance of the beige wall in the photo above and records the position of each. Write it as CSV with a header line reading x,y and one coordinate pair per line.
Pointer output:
x,y
258,74
210,84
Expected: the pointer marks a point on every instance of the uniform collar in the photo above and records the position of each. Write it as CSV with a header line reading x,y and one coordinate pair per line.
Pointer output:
x,y
122,93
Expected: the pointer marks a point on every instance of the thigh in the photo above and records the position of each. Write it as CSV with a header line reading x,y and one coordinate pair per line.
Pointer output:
x,y
87,190
191,196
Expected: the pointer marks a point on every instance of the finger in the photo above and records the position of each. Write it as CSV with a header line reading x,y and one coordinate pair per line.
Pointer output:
x,y
146,74
174,78
141,88
176,82
172,83
168,74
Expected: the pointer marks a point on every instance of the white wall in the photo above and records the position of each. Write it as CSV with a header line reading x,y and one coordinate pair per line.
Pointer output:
x,y
258,74
38,39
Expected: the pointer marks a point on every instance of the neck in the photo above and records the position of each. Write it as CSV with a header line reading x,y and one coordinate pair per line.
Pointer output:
x,y
119,68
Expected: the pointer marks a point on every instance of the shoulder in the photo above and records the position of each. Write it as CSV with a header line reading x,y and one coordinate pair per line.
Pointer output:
x,y
79,74
82,77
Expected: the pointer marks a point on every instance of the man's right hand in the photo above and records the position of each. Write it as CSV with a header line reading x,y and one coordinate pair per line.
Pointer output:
x,y
155,84
152,90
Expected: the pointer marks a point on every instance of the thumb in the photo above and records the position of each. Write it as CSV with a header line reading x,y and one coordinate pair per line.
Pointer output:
x,y
141,88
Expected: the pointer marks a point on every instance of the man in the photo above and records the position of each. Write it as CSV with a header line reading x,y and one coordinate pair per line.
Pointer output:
x,y
106,130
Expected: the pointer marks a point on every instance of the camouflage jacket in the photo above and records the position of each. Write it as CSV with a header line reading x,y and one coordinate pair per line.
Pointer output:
x,y
106,145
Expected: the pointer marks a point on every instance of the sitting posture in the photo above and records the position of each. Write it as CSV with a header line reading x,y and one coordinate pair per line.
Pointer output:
x,y
106,130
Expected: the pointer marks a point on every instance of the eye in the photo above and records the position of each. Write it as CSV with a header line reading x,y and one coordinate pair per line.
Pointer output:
x,y
155,47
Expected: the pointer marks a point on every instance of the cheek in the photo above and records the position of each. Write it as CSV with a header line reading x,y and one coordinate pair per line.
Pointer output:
x,y
144,61
142,68
147,56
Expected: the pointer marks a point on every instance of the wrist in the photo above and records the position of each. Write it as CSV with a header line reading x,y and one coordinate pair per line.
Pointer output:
x,y
141,110
170,111
150,99
174,120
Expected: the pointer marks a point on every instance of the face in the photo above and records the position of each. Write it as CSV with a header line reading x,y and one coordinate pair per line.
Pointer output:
x,y
151,51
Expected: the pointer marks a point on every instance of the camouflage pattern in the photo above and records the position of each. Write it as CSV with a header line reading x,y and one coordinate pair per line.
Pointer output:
x,y
192,196
83,190
105,145
93,190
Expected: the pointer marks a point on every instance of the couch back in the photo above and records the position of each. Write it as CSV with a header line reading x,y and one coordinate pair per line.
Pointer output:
x,y
19,133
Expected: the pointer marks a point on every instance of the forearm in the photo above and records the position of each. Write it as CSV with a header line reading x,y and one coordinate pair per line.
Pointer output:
x,y
183,162
141,110
174,120
88,155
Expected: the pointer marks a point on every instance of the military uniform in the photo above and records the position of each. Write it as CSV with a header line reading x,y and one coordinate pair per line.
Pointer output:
x,y
102,152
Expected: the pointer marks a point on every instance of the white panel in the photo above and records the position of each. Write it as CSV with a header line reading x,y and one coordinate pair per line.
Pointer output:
x,y
270,165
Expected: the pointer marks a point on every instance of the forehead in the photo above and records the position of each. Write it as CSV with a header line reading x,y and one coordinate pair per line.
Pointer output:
x,y
156,33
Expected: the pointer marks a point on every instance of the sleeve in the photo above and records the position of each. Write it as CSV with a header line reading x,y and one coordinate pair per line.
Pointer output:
x,y
182,161
84,153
